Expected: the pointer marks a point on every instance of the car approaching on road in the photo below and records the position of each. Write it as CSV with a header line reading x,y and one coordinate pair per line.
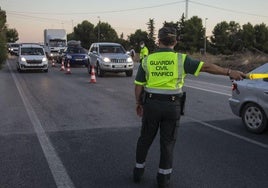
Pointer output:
x,y
75,54
250,101
13,48
109,57
32,57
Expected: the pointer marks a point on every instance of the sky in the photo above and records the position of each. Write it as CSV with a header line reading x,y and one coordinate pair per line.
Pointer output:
x,y
31,17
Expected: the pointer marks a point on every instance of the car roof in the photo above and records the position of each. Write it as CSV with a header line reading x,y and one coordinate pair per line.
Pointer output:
x,y
108,43
29,45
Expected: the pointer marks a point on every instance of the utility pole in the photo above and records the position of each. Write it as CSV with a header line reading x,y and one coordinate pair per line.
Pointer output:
x,y
186,9
205,37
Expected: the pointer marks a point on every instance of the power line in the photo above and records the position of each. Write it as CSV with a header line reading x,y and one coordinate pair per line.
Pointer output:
x,y
228,10
99,12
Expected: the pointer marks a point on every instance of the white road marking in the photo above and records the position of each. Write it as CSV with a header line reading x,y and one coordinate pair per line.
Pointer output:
x,y
230,133
56,166
212,91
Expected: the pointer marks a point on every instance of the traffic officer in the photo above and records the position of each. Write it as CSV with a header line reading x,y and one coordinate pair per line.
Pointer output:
x,y
144,51
158,92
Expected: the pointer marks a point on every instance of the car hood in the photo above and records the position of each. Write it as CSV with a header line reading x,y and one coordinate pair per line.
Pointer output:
x,y
33,57
115,56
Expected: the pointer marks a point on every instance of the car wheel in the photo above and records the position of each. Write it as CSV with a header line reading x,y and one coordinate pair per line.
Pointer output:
x,y
46,70
19,69
129,73
100,72
254,118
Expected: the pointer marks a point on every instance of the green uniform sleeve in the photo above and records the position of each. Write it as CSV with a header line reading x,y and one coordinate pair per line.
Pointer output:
x,y
192,66
140,77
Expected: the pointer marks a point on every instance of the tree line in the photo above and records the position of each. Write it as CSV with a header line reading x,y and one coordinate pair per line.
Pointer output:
x,y
226,38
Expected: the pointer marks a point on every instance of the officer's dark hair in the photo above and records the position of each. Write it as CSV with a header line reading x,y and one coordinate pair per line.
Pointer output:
x,y
167,36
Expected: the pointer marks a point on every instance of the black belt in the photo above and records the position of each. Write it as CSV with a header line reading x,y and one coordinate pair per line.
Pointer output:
x,y
163,97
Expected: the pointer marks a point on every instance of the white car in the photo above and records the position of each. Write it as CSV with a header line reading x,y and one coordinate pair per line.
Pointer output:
x,y
32,57
109,57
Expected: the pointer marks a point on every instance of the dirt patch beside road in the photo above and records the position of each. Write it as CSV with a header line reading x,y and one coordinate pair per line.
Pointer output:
x,y
244,62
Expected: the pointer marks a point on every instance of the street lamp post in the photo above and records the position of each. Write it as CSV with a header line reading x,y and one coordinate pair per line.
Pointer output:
x,y
205,37
99,30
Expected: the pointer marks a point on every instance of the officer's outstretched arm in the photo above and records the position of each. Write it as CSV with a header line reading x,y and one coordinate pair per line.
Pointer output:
x,y
215,69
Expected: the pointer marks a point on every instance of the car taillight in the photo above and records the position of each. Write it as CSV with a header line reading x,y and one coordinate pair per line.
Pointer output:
x,y
234,86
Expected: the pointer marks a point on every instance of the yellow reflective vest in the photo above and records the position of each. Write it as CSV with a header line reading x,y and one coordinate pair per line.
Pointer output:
x,y
164,72
144,52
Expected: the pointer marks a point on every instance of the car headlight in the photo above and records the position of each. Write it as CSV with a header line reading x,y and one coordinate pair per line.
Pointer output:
x,y
106,59
44,59
51,54
129,60
69,56
23,59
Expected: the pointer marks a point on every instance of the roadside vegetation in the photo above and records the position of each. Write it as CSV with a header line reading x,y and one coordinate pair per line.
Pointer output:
x,y
6,35
230,45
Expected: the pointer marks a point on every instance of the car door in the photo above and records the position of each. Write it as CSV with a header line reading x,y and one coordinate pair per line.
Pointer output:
x,y
93,54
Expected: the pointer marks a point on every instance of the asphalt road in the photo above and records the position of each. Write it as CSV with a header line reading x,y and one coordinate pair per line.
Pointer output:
x,y
61,131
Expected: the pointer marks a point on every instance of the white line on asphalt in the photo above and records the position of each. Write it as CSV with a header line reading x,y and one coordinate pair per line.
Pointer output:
x,y
57,168
212,91
230,133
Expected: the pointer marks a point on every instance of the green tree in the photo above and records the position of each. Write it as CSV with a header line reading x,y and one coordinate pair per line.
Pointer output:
x,y
106,32
261,35
151,29
234,35
248,36
12,35
3,44
193,37
84,32
220,37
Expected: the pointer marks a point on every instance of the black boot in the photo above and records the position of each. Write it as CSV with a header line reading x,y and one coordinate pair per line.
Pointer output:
x,y
163,180
137,174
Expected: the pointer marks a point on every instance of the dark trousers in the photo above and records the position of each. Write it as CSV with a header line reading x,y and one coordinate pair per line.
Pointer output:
x,y
164,115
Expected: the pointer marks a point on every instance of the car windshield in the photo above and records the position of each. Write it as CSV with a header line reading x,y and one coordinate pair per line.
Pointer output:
x,y
112,49
261,69
74,50
32,51
57,43
14,45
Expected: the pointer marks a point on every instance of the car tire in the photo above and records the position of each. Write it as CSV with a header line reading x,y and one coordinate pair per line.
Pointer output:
x,y
254,118
46,70
129,73
100,73
19,70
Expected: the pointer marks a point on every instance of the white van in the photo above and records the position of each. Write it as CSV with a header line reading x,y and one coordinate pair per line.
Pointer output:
x,y
32,57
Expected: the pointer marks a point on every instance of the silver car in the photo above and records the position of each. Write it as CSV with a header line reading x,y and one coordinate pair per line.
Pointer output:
x,y
109,57
250,101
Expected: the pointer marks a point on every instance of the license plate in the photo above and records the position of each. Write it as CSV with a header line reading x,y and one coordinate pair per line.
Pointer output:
x,y
118,66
